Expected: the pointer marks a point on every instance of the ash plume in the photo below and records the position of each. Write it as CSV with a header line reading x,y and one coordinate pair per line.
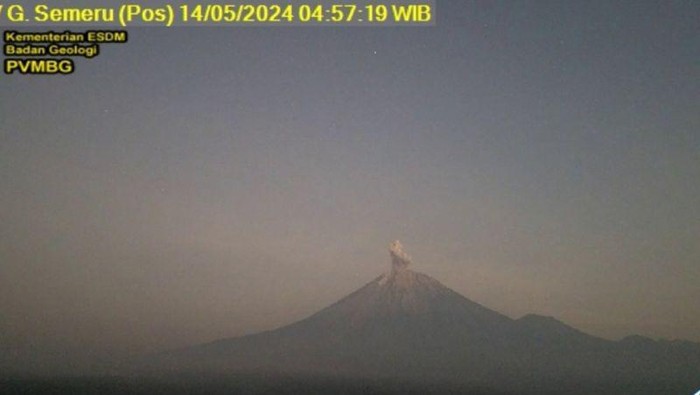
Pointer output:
x,y
399,259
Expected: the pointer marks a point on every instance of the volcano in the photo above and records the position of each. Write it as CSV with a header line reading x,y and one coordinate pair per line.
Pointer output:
x,y
404,325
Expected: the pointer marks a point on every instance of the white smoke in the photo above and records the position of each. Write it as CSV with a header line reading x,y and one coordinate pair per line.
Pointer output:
x,y
399,258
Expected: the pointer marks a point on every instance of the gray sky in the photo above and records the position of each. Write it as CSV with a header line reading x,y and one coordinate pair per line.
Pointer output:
x,y
198,183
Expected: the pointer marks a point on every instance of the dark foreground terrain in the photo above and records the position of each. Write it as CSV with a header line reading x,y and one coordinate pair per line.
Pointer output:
x,y
298,385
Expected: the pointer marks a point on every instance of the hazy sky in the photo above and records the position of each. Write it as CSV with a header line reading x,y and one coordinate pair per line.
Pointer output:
x,y
198,183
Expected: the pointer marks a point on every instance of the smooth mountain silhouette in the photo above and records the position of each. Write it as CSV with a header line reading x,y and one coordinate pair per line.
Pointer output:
x,y
405,325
